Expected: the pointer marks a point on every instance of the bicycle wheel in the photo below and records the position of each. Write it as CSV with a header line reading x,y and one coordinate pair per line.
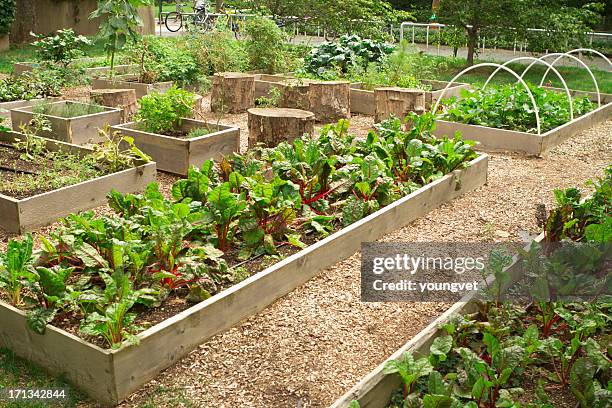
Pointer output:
x,y
174,21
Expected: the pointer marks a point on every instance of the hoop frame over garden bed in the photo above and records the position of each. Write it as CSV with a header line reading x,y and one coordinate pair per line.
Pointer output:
x,y
110,376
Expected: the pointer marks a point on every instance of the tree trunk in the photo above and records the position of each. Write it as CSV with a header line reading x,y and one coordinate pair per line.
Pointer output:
x,y
294,94
472,44
124,99
232,92
271,126
330,101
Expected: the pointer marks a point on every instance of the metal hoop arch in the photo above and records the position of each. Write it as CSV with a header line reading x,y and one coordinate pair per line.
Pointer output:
x,y
559,56
492,64
550,66
591,51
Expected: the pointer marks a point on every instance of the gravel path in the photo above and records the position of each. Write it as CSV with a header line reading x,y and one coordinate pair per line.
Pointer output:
x,y
311,346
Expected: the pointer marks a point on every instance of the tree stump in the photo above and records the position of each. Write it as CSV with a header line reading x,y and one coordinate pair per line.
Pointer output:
x,y
330,101
271,126
124,99
232,92
394,101
294,94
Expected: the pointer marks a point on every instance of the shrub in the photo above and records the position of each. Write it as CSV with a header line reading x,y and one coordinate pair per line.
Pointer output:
x,y
160,113
218,50
266,45
61,48
31,85
7,16
350,51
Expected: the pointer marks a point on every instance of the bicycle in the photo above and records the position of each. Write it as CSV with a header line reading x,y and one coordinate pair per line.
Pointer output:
x,y
200,18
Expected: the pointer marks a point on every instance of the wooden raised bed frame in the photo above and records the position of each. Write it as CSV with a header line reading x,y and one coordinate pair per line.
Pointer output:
x,y
5,107
125,82
492,139
376,388
20,215
110,376
22,67
363,101
77,130
177,155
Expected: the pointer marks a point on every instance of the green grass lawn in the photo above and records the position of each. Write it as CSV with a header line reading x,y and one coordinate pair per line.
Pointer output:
x,y
21,374
576,78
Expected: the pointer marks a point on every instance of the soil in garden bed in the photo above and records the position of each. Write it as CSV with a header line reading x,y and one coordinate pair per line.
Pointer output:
x,y
185,134
11,165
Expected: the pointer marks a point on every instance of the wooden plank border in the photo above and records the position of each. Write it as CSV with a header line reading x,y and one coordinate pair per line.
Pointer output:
x,y
177,155
376,388
494,140
78,130
162,345
121,82
20,215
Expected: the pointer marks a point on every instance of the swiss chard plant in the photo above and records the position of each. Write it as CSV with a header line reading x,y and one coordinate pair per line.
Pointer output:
x,y
509,107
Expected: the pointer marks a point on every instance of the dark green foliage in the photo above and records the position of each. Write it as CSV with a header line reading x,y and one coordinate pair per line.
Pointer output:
x,y
349,51
509,107
7,15
265,45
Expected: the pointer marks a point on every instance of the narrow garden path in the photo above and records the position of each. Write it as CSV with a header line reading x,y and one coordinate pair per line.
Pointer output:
x,y
311,346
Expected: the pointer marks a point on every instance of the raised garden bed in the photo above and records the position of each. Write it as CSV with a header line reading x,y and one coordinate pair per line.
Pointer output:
x,y
5,107
176,154
42,208
493,139
265,82
363,101
21,67
130,82
70,121
211,203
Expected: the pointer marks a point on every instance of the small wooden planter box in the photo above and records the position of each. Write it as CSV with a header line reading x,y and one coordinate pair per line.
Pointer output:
x,y
20,215
376,388
363,101
78,130
178,155
492,139
111,376
128,82
22,67
265,82
5,107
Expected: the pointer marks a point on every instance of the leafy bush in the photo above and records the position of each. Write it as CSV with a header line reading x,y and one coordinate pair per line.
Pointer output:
x,y
161,59
349,51
61,48
7,15
266,45
37,83
160,113
509,107
218,51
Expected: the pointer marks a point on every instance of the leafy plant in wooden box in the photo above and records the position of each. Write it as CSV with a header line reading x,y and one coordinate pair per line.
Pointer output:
x,y
223,215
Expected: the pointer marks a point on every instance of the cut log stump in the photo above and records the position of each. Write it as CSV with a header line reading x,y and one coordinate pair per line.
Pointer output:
x,y
270,126
294,94
232,92
330,101
124,99
398,102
